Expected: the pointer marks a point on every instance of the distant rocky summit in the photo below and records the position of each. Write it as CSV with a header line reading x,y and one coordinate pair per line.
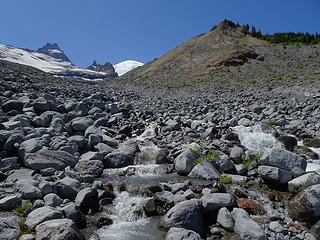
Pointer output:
x,y
53,50
106,68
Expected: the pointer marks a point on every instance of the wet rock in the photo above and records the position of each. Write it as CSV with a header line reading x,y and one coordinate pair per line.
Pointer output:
x,y
302,150
176,233
204,170
245,226
41,215
61,229
87,199
50,159
312,142
104,221
74,213
150,208
186,214
289,142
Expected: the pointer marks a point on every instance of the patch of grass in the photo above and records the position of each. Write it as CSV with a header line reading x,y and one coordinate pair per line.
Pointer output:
x,y
250,160
167,206
21,209
144,157
252,82
24,229
212,155
225,179
271,122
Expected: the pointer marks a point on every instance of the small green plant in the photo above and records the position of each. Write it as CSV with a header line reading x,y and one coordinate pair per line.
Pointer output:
x,y
225,179
212,155
21,209
144,157
271,122
250,160
24,229
168,205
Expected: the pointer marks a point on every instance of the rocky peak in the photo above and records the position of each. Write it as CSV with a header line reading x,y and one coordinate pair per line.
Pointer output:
x,y
53,50
106,68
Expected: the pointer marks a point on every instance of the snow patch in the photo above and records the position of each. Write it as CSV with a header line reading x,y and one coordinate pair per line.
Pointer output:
x,y
126,66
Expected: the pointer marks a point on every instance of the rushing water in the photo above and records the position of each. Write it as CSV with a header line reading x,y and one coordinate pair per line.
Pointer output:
x,y
255,139
129,222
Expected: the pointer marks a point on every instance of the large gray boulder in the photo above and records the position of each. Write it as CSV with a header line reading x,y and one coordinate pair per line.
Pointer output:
x,y
213,202
87,199
225,219
246,227
7,164
74,213
182,234
58,229
30,146
123,156
275,174
12,105
50,159
52,200
184,162
304,181
284,159
41,215
92,167
12,143
9,226
28,190
205,170
305,206
67,188
81,124
10,202
186,214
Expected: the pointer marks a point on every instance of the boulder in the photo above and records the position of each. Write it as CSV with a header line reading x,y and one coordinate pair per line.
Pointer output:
x,y
204,170
303,181
50,159
283,159
74,213
186,214
176,233
245,226
92,167
41,215
305,206
87,199
9,226
67,188
13,142
275,174
12,105
184,162
213,202
10,202
52,200
58,229
225,219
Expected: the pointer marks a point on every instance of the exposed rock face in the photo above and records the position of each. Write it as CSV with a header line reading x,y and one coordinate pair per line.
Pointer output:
x,y
9,227
41,215
106,68
53,50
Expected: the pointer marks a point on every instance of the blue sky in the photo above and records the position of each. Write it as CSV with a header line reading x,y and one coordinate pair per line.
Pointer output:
x,y
117,30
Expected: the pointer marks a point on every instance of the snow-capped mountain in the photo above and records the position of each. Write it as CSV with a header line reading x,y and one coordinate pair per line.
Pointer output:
x,y
126,66
50,59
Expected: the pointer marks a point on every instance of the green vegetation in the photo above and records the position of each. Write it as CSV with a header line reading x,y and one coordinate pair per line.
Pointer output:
x,y
167,206
228,23
144,157
271,122
24,229
251,160
212,155
225,179
21,209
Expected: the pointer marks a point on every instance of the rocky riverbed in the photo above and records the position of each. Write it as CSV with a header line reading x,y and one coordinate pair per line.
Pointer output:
x,y
115,161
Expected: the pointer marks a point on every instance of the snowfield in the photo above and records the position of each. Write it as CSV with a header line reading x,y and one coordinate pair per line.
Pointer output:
x,y
126,66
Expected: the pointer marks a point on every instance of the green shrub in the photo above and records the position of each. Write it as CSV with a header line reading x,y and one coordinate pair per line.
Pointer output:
x,y
212,155
21,209
225,179
250,160
272,122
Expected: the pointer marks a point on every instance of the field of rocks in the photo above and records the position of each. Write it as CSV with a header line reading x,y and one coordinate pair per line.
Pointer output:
x,y
116,161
